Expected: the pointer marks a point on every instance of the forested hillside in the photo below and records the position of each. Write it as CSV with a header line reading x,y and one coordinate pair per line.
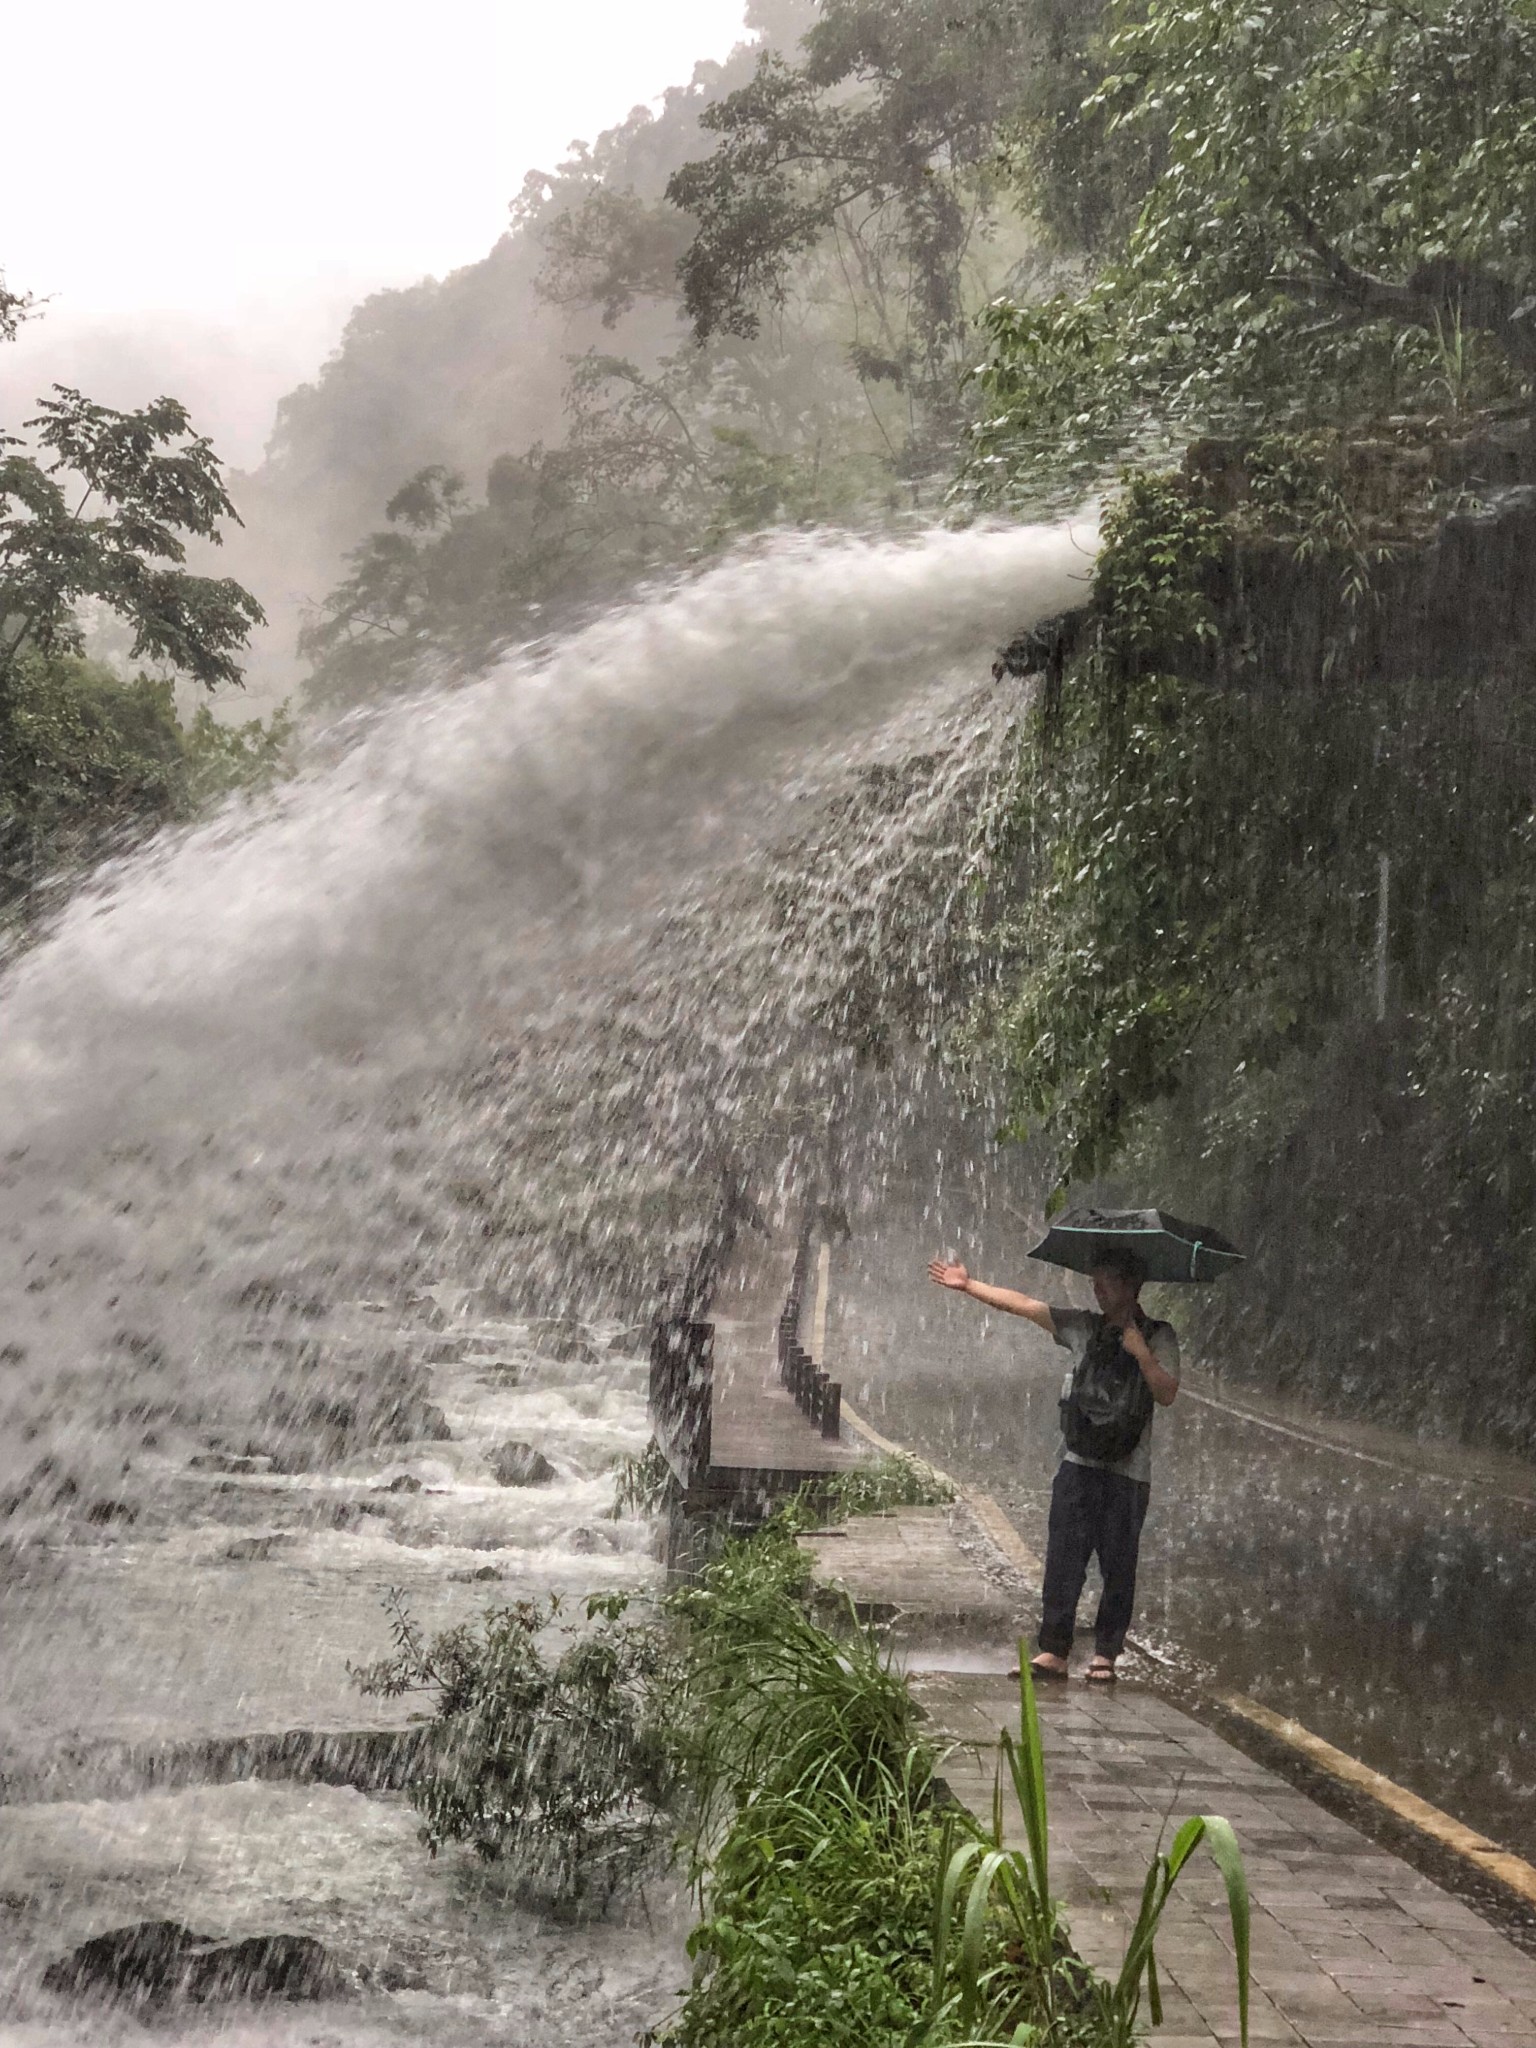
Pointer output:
x,y
753,307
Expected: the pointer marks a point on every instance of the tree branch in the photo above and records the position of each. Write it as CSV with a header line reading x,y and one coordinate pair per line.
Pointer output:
x,y
1442,289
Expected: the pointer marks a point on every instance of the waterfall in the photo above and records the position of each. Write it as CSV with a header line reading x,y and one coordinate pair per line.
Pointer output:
x,y
477,992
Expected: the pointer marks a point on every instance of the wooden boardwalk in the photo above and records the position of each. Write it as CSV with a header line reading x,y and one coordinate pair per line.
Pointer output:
x,y
761,1445
756,1424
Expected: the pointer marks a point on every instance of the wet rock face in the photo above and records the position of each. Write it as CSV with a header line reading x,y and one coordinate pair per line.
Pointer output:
x,y
519,1464
157,1960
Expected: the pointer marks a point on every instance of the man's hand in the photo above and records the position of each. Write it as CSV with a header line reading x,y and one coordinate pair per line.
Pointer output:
x,y
950,1273
1162,1383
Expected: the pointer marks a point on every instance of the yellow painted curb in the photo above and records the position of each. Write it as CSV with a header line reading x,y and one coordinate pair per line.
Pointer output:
x,y
1001,1532
1513,1872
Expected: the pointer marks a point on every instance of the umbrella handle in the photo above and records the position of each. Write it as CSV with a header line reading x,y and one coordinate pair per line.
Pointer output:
x,y
1194,1258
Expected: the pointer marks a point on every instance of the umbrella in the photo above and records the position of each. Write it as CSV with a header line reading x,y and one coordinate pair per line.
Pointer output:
x,y
1169,1249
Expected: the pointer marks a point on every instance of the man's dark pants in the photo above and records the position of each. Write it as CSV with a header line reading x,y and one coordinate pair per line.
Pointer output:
x,y
1091,1510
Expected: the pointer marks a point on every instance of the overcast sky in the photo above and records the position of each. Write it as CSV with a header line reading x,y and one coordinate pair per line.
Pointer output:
x,y
210,185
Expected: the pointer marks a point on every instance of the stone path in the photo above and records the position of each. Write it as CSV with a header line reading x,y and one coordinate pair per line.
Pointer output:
x,y
1351,1947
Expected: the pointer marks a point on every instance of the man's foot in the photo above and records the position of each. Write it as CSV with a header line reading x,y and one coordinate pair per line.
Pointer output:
x,y
1046,1665
1101,1671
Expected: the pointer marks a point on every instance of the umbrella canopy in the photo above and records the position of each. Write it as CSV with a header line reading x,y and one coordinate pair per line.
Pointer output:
x,y
1169,1249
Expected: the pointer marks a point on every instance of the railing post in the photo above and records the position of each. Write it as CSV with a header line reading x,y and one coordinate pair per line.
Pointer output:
x,y
832,1410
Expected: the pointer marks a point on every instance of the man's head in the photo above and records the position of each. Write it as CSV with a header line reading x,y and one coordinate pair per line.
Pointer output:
x,y
1117,1275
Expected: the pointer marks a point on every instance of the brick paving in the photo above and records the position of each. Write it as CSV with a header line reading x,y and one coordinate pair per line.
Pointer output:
x,y
914,1552
1351,1947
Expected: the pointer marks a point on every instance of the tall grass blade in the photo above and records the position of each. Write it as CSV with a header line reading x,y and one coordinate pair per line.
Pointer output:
x,y
1228,1858
1032,1777
953,1877
1186,1842
973,1939
1138,1950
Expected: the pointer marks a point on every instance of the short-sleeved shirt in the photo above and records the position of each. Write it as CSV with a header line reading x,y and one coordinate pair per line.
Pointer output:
x,y
1075,1328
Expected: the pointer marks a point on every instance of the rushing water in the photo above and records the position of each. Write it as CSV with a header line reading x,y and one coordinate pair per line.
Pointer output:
x,y
482,1009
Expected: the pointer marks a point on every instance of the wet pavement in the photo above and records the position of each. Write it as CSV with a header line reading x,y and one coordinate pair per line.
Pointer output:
x,y
1375,1589
1350,1947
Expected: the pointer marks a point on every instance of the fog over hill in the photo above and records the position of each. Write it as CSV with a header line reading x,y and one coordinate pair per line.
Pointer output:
x,y
455,370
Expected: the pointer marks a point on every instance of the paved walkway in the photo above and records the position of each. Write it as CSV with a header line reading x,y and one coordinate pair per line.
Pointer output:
x,y
1351,1947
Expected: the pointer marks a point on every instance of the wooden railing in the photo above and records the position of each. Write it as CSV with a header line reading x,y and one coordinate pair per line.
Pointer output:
x,y
819,1396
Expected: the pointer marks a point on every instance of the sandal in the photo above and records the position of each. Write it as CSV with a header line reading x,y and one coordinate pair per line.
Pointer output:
x,y
1048,1671
1101,1671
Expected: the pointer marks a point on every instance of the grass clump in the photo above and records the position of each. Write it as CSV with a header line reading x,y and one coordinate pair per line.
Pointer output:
x,y
815,1834
642,1484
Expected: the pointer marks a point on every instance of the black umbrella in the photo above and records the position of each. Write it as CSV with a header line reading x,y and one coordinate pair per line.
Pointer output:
x,y
1169,1249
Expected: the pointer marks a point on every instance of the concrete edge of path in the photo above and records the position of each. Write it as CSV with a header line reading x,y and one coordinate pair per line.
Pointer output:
x,y
1483,1857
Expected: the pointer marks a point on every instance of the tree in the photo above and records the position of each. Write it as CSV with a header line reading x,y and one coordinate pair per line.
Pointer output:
x,y
105,519
879,142
14,308
1339,219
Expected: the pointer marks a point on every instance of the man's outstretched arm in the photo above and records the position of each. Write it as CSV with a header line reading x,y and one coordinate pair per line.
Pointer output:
x,y
947,1273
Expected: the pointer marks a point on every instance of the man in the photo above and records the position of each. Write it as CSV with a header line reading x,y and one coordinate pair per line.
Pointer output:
x,y
1097,1504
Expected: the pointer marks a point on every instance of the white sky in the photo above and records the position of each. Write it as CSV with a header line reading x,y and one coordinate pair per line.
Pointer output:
x,y
212,184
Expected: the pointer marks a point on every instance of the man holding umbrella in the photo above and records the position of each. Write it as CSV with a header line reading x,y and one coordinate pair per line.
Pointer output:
x,y
1124,1366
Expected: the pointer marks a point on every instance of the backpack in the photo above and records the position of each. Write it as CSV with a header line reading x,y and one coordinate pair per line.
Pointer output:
x,y
1106,1409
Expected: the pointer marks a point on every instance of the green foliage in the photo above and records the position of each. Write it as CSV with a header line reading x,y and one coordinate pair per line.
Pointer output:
x,y
889,1482
105,519
559,1766
828,254
1012,1972
1186,975
832,1875
1173,814
654,467
88,762
221,759
14,308
881,139
1119,943
817,1843
643,1484
1335,223
844,1902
